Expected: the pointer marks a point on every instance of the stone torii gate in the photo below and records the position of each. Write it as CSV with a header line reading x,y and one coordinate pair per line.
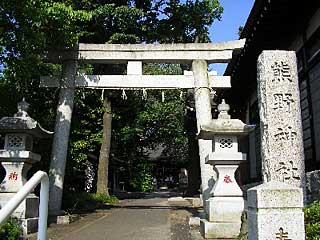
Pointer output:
x,y
197,54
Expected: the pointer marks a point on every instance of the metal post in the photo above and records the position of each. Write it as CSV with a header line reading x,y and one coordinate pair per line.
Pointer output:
x,y
43,208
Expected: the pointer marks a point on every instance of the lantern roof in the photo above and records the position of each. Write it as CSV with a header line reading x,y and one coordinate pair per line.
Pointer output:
x,y
21,122
224,125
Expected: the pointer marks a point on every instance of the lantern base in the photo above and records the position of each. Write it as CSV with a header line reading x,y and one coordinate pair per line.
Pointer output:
x,y
219,230
27,209
223,218
26,213
224,209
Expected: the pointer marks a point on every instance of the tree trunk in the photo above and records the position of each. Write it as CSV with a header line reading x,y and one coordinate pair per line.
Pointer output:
x,y
193,152
103,167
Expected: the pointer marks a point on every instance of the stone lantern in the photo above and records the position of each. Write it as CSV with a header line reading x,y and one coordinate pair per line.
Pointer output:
x,y
226,204
17,158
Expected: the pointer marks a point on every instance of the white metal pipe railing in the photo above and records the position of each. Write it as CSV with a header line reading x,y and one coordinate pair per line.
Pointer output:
x,y
7,210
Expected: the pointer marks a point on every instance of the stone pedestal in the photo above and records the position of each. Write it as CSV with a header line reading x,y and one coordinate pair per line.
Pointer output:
x,y
217,230
275,211
27,209
15,176
224,209
223,219
27,212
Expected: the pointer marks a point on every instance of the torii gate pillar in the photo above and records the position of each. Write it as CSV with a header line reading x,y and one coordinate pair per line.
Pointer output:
x,y
204,116
61,136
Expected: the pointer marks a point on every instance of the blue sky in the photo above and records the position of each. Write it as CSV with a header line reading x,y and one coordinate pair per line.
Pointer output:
x,y
234,15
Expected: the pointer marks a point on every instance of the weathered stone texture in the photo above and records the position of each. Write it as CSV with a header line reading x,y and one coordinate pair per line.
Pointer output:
x,y
161,53
203,115
280,118
275,208
137,81
61,137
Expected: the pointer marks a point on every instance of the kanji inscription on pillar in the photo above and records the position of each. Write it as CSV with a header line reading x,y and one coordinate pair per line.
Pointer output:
x,y
281,71
282,101
280,118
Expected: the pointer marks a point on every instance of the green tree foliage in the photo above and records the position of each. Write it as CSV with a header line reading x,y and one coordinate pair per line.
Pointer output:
x,y
31,26
188,21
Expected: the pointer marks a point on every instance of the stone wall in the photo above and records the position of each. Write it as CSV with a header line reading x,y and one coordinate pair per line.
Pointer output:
x,y
313,186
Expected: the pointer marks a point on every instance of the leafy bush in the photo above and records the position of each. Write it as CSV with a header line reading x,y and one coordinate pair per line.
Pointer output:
x,y
103,198
11,230
312,221
143,180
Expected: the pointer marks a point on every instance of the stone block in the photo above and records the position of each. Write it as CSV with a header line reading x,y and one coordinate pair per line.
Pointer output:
x,y
29,208
29,225
275,195
219,230
214,157
134,67
225,209
194,221
275,209
64,219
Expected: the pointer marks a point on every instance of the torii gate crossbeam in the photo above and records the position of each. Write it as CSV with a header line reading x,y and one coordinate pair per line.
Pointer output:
x,y
159,53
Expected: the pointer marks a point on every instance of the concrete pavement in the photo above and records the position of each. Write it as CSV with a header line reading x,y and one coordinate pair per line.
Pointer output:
x,y
150,218
139,219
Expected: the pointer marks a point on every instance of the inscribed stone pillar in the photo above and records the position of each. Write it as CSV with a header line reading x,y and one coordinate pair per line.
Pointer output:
x,y
61,136
280,118
275,208
204,116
